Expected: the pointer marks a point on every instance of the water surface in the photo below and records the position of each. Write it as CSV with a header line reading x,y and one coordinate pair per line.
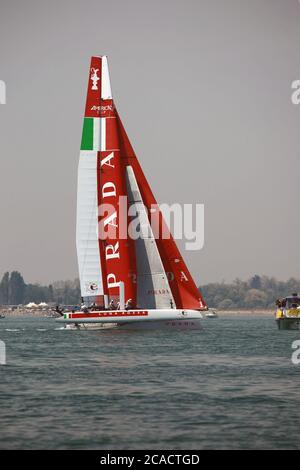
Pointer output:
x,y
232,385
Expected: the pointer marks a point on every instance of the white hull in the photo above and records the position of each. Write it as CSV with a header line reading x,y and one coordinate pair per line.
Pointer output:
x,y
136,319
178,325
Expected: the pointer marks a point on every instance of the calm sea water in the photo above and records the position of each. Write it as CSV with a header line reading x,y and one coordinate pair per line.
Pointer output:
x,y
232,385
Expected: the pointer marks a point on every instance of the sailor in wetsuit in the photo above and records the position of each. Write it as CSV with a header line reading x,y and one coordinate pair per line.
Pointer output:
x,y
59,310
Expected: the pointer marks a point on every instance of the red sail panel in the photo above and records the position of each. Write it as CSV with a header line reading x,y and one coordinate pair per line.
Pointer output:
x,y
184,289
116,249
94,88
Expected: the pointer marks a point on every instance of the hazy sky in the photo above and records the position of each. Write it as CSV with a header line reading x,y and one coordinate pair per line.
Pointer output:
x,y
204,91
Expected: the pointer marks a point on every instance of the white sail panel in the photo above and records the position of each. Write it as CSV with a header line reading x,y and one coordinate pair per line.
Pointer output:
x,y
90,273
96,134
153,290
105,82
103,134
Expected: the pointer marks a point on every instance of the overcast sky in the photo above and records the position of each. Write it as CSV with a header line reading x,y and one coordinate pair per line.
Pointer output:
x,y
204,90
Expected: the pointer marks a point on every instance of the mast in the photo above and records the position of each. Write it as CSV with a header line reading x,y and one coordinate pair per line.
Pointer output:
x,y
104,257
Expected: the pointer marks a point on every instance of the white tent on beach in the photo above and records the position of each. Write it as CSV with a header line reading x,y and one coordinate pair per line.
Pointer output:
x,y
31,305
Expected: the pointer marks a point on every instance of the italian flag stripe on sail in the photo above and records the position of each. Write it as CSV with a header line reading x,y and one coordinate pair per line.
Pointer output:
x,y
91,134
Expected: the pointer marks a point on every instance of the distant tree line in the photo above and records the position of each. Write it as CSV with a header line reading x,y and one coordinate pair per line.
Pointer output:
x,y
257,292
14,291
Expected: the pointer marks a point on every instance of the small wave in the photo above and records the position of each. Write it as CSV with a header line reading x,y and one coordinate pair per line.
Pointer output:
x,y
12,329
41,329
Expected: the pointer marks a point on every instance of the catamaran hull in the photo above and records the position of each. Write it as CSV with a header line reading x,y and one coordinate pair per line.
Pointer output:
x,y
168,318
177,325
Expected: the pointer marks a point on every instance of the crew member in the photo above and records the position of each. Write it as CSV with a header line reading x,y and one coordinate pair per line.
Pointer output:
x,y
129,304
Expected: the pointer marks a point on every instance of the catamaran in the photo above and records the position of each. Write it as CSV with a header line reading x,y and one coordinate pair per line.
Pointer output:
x,y
125,280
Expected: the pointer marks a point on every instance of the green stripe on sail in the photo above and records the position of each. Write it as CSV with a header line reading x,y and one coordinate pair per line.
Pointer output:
x,y
87,134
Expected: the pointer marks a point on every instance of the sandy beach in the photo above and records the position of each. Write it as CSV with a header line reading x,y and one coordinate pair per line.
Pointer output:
x,y
246,312
24,312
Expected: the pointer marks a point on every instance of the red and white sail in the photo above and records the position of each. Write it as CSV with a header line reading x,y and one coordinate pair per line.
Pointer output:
x,y
152,269
87,240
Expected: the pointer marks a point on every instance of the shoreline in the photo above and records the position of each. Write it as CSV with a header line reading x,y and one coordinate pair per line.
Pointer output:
x,y
247,312
233,312
18,313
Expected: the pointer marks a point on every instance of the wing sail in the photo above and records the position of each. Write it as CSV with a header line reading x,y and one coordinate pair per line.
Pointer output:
x,y
105,257
89,265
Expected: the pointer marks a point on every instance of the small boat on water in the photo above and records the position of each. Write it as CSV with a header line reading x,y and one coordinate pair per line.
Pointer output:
x,y
211,314
125,281
288,313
